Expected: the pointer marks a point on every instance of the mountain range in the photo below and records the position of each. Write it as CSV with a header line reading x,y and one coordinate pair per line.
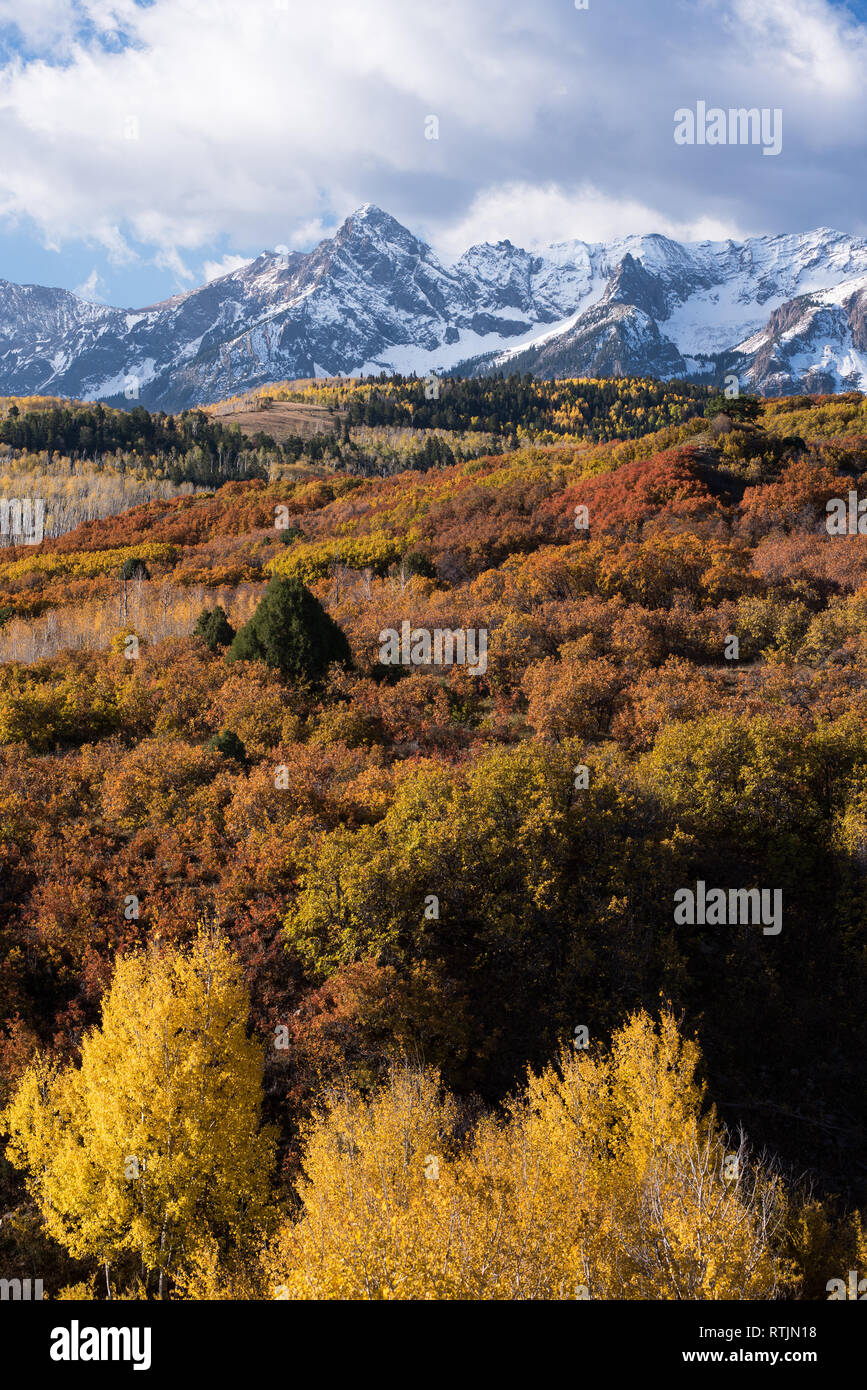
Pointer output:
x,y
786,314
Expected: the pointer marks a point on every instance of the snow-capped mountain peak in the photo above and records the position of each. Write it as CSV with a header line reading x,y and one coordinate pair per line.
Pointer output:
x,y
786,312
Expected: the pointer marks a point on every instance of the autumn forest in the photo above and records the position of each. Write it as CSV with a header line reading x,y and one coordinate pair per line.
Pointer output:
x,y
433,843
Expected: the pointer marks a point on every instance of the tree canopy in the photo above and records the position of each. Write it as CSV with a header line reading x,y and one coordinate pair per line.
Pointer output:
x,y
291,631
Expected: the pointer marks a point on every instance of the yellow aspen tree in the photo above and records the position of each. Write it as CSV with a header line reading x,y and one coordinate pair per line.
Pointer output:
x,y
606,1179
696,1217
376,1182
153,1144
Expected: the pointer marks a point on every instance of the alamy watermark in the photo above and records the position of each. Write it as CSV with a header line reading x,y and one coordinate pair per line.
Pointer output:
x,y
739,125
720,907
25,1290
77,1343
846,518
854,1289
421,646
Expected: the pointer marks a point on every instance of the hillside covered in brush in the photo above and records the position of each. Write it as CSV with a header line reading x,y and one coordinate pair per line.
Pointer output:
x,y
87,461
616,746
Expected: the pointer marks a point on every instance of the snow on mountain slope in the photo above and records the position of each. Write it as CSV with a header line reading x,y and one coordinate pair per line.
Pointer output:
x,y
707,297
815,342
374,297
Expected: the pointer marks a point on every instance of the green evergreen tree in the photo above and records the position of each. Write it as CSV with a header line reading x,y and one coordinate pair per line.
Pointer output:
x,y
291,631
228,743
414,562
214,628
741,408
134,568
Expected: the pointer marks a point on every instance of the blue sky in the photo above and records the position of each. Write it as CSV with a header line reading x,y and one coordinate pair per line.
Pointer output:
x,y
148,146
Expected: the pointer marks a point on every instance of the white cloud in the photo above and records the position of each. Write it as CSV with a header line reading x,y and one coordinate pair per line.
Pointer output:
x,y
531,216
183,124
224,117
212,270
308,233
820,46
169,259
89,288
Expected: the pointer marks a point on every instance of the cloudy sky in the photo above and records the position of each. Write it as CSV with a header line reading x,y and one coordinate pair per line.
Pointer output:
x,y
146,147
